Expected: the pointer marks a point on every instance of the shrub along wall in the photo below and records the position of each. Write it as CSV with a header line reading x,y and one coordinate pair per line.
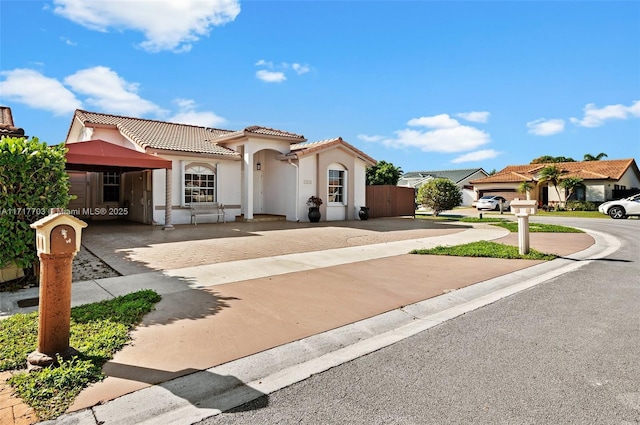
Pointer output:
x,y
32,180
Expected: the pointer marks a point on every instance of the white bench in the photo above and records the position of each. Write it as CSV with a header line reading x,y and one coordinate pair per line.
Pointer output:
x,y
214,208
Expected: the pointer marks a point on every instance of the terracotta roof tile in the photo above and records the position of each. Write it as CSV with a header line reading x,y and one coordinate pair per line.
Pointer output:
x,y
162,135
7,127
306,148
586,170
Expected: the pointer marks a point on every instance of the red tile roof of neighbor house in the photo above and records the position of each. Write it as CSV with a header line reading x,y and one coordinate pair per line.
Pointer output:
x,y
306,148
586,170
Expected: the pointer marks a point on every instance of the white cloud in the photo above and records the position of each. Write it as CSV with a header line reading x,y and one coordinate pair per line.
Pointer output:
x,y
544,127
263,62
475,116
445,134
594,117
109,92
68,42
476,156
270,76
37,91
188,115
166,24
300,69
370,139
276,73
436,121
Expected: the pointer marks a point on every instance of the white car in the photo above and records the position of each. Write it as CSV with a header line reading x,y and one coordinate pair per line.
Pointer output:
x,y
492,202
622,208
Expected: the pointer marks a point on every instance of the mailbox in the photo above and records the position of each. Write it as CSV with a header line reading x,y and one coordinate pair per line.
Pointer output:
x,y
58,238
524,207
58,233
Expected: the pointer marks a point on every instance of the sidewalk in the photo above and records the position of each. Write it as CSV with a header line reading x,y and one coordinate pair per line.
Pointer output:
x,y
261,316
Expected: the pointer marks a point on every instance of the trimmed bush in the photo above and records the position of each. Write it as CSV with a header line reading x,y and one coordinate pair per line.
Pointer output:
x,y
32,180
581,206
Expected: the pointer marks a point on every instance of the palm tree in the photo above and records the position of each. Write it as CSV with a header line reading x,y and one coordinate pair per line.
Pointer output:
x,y
571,184
589,157
525,187
551,175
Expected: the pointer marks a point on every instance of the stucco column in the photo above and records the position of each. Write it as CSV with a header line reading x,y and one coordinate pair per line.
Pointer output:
x,y
167,200
248,172
523,234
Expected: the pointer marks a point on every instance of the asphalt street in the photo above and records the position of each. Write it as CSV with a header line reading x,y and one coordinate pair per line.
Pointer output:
x,y
563,352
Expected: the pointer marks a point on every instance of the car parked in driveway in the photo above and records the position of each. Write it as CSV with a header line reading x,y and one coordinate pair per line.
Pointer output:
x,y
622,208
492,202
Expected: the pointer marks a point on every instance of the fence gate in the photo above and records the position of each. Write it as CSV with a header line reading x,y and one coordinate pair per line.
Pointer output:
x,y
390,201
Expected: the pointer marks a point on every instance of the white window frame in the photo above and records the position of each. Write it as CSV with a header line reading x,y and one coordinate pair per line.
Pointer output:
x,y
185,187
108,175
340,169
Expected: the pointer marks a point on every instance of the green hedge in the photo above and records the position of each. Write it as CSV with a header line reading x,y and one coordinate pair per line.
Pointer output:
x,y
582,206
32,180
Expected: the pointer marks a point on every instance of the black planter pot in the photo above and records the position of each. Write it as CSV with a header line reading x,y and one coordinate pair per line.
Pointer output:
x,y
314,214
363,213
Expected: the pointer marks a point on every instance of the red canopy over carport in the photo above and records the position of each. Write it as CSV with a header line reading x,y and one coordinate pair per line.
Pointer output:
x,y
98,155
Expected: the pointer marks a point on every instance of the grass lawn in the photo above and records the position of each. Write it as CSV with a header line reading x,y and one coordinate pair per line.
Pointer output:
x,y
485,249
573,214
537,227
97,331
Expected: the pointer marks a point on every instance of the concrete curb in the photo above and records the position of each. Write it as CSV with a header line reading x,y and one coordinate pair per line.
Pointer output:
x,y
203,394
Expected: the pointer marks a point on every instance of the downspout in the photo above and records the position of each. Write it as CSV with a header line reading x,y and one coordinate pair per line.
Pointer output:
x,y
297,188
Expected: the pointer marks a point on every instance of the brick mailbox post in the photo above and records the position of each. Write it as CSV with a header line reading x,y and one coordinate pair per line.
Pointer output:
x,y
523,209
58,241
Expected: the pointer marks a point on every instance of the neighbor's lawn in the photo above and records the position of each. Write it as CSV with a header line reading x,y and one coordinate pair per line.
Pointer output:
x,y
485,249
98,330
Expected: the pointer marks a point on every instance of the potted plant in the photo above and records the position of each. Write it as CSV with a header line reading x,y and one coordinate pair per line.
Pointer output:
x,y
314,208
363,213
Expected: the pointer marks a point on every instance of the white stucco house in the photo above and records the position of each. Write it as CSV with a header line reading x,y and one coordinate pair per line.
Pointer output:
x,y
140,166
461,178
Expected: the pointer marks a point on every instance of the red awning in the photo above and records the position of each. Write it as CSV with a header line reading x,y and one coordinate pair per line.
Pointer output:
x,y
98,153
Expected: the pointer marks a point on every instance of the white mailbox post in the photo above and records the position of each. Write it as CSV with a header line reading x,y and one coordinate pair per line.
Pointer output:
x,y
523,209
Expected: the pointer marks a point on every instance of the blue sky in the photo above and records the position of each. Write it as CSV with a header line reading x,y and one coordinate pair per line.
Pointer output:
x,y
425,85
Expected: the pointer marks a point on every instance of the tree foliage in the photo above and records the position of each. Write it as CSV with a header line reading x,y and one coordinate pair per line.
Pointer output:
x,y
525,187
548,159
571,184
383,173
439,195
551,175
32,180
589,157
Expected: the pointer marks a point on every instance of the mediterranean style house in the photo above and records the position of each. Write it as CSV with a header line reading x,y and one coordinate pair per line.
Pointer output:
x,y
461,178
156,171
603,181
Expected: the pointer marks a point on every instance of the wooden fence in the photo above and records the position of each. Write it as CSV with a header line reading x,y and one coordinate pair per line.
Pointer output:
x,y
390,201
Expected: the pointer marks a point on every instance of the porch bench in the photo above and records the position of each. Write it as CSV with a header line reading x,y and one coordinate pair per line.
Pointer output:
x,y
214,208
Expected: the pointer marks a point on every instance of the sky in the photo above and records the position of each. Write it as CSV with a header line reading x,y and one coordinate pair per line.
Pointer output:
x,y
424,85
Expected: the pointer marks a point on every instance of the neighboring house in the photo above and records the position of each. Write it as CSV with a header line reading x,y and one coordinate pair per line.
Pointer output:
x,y
603,181
142,165
462,179
7,127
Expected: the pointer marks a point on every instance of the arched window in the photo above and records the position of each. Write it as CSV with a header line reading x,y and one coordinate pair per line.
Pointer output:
x,y
199,184
337,184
